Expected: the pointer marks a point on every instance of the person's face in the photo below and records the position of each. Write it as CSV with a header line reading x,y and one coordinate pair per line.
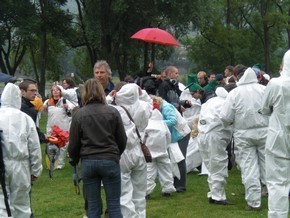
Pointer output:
x,y
211,77
227,73
31,92
65,84
55,93
102,75
173,74
163,75
196,95
201,79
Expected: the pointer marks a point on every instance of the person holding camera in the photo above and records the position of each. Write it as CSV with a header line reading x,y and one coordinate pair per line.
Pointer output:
x,y
59,112
170,89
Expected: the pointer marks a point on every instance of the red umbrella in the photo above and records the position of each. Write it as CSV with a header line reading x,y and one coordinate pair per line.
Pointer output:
x,y
155,35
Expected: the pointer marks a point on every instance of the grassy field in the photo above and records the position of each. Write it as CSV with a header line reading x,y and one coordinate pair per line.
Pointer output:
x,y
56,198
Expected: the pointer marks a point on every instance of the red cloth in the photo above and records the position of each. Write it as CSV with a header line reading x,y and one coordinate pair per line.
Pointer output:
x,y
62,135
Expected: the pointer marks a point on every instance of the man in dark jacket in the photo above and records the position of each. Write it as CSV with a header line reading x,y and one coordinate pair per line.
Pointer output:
x,y
28,91
169,89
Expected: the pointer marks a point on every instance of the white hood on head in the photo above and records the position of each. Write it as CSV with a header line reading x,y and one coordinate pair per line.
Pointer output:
x,y
286,64
127,95
248,77
221,92
11,96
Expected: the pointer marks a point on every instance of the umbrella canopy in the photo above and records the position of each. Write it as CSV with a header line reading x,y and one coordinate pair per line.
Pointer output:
x,y
4,77
155,35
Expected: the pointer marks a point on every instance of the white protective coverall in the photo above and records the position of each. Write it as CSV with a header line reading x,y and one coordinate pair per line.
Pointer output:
x,y
213,139
21,152
132,163
193,155
157,138
194,110
70,94
57,116
250,132
276,102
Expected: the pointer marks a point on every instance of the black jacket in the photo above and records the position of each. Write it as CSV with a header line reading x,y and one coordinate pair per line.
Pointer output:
x,y
96,132
169,91
28,108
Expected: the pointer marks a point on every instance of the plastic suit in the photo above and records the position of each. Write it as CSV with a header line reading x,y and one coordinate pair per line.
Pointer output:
x,y
21,152
58,116
157,138
213,139
132,163
250,132
70,94
193,157
276,102
180,133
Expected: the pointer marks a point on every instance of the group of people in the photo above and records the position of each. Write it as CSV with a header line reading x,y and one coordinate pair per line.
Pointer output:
x,y
108,121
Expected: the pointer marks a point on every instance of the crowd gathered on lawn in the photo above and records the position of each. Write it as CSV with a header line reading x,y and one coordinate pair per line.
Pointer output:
x,y
240,117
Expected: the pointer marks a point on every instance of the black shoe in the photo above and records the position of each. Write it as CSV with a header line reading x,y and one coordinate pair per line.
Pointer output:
x,y
222,202
147,197
165,194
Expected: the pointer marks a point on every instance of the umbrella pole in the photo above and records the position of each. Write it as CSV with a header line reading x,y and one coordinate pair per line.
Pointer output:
x,y
152,52
145,57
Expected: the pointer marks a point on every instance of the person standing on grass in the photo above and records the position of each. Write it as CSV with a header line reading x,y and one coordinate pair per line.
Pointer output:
x,y
276,103
21,153
133,164
250,132
157,138
99,153
180,133
28,90
59,111
213,139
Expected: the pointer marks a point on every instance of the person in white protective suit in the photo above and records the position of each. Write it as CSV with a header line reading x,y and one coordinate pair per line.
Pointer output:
x,y
157,138
132,163
276,103
59,111
180,134
193,157
213,139
68,91
21,153
250,132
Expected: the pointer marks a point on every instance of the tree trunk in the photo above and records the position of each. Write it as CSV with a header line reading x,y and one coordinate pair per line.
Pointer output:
x,y
288,30
43,51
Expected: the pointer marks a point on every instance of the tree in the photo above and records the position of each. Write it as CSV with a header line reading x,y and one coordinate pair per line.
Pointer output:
x,y
15,32
52,21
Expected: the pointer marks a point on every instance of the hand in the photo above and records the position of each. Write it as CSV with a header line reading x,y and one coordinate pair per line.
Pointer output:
x,y
65,106
112,93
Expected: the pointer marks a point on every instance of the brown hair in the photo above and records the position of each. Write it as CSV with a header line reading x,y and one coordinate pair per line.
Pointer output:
x,y
51,99
70,82
93,91
24,85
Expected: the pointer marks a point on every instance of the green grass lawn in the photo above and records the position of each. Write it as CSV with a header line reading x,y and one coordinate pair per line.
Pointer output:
x,y
55,198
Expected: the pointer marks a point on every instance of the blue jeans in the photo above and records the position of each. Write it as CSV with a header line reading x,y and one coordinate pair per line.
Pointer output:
x,y
107,171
